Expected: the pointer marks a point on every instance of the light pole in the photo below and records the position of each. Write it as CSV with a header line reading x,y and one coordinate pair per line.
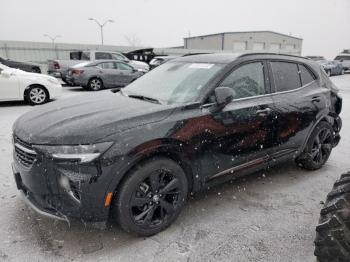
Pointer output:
x,y
53,42
101,25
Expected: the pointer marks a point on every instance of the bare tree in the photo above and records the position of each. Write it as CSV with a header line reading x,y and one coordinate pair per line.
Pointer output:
x,y
133,40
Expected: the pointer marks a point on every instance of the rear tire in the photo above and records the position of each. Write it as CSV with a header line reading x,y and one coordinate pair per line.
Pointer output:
x,y
332,242
342,72
151,197
95,84
37,95
318,147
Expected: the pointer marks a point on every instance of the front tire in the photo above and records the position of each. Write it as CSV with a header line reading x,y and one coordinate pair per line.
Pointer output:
x,y
318,148
332,242
37,95
151,197
95,84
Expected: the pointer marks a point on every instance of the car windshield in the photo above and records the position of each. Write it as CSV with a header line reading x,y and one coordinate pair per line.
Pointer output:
x,y
119,57
174,82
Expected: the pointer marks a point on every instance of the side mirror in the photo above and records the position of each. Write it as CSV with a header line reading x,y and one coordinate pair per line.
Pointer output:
x,y
224,95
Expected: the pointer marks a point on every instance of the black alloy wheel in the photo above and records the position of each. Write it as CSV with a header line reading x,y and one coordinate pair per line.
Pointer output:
x,y
152,197
319,147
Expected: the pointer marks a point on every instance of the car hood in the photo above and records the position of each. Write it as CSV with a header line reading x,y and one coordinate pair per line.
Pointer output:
x,y
86,119
30,75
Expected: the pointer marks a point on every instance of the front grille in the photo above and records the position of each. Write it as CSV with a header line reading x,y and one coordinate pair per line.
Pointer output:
x,y
24,152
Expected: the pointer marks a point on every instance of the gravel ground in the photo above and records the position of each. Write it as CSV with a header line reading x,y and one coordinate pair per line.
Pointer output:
x,y
268,216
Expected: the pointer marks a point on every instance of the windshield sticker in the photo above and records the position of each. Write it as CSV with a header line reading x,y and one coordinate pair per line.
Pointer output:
x,y
201,66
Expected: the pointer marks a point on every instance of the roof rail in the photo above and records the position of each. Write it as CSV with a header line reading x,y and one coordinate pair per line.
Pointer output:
x,y
267,53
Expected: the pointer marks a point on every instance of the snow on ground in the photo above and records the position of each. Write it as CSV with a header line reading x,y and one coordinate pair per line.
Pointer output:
x,y
269,216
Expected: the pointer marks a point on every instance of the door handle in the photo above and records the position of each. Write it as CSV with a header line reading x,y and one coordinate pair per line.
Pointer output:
x,y
264,112
316,99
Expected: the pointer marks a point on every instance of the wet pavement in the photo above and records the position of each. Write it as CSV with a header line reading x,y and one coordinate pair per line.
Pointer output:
x,y
268,216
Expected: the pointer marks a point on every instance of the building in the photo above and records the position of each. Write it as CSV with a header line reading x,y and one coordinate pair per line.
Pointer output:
x,y
246,41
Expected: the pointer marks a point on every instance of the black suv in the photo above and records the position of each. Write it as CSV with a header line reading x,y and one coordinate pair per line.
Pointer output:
x,y
28,67
136,154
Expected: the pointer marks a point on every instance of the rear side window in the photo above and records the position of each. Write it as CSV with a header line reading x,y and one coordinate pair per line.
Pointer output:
x,y
305,75
286,76
108,65
247,80
102,56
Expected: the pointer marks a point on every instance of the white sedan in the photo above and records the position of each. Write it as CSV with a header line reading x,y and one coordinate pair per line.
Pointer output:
x,y
34,88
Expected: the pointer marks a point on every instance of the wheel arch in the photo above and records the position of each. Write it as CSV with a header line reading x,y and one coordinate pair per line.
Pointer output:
x,y
326,118
170,151
25,93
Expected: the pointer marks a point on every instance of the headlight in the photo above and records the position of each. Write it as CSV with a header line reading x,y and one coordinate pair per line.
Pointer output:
x,y
79,153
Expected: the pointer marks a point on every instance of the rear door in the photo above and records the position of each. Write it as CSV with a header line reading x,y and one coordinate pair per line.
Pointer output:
x,y
108,72
298,99
126,73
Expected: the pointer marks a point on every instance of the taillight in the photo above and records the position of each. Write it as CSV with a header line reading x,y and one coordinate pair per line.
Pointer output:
x,y
77,72
56,65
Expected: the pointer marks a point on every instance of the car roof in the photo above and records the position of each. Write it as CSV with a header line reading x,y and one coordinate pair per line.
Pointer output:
x,y
106,60
225,58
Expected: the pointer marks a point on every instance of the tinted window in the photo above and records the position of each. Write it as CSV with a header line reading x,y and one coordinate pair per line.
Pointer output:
x,y
122,66
286,76
305,75
247,80
108,65
85,56
102,56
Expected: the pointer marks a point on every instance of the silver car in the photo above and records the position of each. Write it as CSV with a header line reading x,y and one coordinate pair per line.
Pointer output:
x,y
102,74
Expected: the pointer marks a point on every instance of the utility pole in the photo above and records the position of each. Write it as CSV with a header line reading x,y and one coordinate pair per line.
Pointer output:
x,y
53,42
101,26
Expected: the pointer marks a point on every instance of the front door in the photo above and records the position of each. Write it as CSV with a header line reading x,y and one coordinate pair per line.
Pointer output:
x,y
9,86
239,137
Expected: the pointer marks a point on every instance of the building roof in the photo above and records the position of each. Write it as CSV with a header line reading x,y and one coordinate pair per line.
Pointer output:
x,y
245,32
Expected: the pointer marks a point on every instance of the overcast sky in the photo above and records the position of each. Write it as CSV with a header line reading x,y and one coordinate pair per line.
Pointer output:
x,y
323,24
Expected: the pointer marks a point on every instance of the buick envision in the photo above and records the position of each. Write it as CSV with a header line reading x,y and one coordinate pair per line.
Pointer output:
x,y
136,154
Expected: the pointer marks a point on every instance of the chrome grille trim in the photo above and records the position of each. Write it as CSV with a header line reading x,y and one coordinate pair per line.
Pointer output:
x,y
24,153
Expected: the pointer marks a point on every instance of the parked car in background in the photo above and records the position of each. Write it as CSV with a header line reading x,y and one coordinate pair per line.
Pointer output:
x,y
135,155
144,54
158,60
28,67
344,59
59,68
316,58
332,67
101,74
34,88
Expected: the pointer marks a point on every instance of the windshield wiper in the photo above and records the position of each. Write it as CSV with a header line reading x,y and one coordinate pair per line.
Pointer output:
x,y
145,98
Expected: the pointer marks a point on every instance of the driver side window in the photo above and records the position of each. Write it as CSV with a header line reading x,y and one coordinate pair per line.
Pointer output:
x,y
247,80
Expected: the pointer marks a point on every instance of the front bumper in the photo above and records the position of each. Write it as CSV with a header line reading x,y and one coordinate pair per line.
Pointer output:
x,y
29,199
81,197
